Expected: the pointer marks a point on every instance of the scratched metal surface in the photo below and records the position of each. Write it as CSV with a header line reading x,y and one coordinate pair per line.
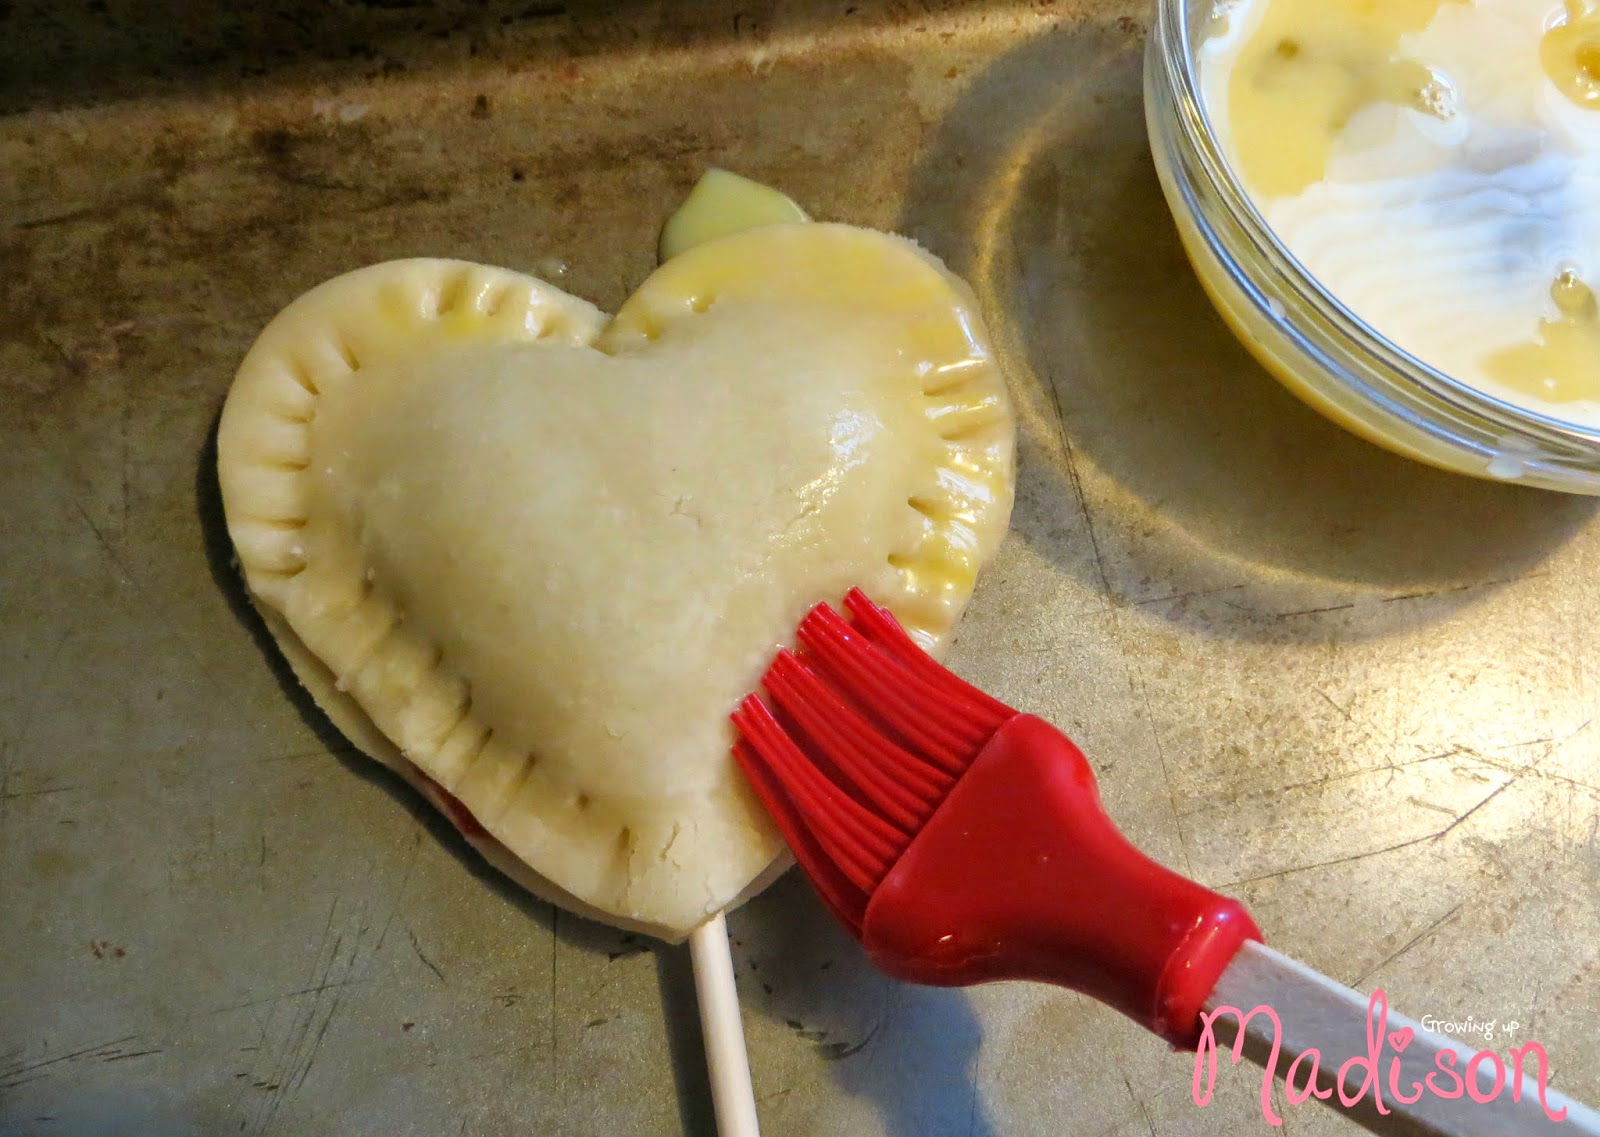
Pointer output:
x,y
1354,691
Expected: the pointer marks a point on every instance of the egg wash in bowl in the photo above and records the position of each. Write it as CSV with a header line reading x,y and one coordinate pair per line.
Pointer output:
x,y
1435,166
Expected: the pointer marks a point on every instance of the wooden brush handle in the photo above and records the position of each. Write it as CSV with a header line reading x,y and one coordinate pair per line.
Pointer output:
x,y
1301,1009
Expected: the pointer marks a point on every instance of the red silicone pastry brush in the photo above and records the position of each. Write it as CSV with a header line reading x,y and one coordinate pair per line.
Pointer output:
x,y
961,841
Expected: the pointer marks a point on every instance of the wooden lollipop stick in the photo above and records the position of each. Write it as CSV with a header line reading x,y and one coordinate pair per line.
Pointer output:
x,y
729,1066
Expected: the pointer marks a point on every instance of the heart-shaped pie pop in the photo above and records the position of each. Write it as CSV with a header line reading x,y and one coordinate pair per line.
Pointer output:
x,y
532,557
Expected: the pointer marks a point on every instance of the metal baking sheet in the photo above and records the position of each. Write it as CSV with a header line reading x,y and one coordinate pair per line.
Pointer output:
x,y
1354,691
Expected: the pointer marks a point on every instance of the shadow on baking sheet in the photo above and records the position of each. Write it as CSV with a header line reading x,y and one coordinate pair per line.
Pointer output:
x,y
134,1108
76,52
1148,433
911,1051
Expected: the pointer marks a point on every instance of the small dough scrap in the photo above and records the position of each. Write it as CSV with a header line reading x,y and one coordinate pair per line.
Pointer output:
x,y
532,557
721,204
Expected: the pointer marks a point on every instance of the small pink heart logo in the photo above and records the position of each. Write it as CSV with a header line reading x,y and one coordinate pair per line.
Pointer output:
x,y
1400,1039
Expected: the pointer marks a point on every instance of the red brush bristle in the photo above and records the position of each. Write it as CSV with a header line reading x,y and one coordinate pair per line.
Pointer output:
x,y
873,735
901,788
955,695
908,705
847,902
861,843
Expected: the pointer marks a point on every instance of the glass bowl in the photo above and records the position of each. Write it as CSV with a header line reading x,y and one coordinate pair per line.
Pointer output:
x,y
1300,332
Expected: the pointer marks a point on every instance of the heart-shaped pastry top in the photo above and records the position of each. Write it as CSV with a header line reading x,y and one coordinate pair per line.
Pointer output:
x,y
532,557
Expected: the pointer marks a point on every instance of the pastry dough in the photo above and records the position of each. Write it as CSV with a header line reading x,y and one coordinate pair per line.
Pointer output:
x,y
532,557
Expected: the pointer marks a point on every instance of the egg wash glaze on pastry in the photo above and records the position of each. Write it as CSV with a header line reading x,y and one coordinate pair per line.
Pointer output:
x,y
531,556
1435,165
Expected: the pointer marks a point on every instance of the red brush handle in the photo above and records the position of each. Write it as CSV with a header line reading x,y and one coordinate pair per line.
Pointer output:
x,y
1034,882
